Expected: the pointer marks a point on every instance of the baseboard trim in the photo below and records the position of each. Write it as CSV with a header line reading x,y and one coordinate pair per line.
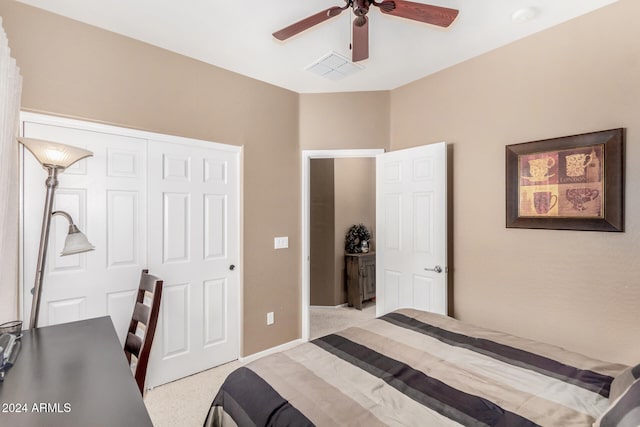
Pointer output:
x,y
272,350
329,306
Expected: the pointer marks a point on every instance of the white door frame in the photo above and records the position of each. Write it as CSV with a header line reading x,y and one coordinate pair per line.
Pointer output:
x,y
307,155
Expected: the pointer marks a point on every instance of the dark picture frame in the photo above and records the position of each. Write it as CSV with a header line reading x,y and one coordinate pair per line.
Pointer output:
x,y
569,183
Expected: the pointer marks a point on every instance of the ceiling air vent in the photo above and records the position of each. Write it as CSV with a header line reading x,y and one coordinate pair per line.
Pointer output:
x,y
334,66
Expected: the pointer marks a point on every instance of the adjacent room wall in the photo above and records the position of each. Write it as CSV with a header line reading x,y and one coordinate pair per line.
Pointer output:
x,y
342,194
75,70
577,289
355,203
322,225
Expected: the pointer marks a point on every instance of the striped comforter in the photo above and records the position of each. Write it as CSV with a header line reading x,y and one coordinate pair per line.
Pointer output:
x,y
412,368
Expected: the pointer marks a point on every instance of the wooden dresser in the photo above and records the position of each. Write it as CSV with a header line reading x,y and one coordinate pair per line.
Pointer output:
x,y
361,278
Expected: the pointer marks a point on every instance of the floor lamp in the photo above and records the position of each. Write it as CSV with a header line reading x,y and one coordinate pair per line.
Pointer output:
x,y
54,158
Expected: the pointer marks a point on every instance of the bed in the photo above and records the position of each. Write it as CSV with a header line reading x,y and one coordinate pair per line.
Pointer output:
x,y
413,368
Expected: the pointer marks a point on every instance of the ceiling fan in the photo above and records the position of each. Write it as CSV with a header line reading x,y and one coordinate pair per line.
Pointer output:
x,y
435,15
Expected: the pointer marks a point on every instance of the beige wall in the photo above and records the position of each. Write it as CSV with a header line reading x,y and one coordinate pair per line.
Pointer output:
x,y
355,195
72,69
354,120
342,194
577,289
321,232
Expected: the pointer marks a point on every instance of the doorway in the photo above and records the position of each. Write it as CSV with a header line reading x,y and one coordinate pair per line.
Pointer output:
x,y
307,156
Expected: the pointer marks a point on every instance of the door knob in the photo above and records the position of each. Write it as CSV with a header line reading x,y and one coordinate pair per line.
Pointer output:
x,y
232,267
437,269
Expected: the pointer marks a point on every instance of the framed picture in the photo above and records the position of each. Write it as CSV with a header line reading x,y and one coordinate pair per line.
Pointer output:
x,y
569,183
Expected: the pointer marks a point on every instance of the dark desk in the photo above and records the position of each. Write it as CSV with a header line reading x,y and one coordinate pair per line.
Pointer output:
x,y
74,374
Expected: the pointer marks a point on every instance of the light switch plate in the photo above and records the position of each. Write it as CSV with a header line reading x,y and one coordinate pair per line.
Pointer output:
x,y
281,242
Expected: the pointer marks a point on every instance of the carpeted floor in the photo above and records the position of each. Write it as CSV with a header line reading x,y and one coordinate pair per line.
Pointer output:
x,y
325,320
185,402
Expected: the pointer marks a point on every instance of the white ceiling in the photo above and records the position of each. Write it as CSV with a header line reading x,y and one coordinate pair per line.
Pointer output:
x,y
236,35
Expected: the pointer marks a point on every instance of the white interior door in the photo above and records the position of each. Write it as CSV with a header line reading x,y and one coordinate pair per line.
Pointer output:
x,y
106,196
411,224
193,246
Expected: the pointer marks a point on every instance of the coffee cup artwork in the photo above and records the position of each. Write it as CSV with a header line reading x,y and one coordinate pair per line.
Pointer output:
x,y
539,169
544,201
581,196
577,163
564,183
568,183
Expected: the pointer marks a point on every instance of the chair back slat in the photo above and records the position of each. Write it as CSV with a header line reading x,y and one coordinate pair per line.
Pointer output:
x,y
148,283
150,288
141,313
133,344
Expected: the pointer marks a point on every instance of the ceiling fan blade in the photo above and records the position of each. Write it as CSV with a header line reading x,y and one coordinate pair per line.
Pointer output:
x,y
430,14
306,23
360,42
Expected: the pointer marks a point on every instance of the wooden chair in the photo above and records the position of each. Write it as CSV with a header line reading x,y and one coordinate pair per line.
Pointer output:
x,y
135,345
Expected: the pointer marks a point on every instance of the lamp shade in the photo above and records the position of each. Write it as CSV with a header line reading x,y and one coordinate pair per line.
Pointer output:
x,y
76,242
54,154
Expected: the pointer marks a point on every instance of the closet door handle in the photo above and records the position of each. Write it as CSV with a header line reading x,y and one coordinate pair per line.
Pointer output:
x,y
232,267
437,269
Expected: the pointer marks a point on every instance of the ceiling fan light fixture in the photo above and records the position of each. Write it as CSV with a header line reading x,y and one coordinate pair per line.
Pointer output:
x,y
360,21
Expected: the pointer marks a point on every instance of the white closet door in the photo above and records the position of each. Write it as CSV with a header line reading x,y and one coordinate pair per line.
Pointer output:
x,y
106,196
144,200
193,246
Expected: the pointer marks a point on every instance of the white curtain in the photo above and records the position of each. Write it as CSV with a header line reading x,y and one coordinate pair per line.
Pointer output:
x,y
10,90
